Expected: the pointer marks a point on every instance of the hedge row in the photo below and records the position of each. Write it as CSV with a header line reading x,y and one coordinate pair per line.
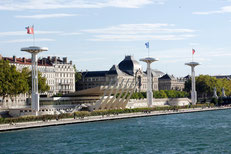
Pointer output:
x,y
161,94
82,114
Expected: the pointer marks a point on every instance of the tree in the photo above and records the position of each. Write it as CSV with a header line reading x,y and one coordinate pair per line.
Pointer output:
x,y
220,101
170,93
159,94
42,85
205,86
135,95
19,81
78,76
12,82
5,78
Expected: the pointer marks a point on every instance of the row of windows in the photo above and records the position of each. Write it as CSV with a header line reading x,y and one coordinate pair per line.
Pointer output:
x,y
49,82
64,66
45,69
48,75
65,69
64,75
64,81
95,79
66,87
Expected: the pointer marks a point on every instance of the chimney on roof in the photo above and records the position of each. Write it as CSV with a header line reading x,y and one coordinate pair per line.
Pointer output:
x,y
71,62
49,58
64,60
54,60
44,61
14,59
24,60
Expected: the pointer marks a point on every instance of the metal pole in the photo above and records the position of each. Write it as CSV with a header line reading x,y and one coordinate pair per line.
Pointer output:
x,y
149,83
35,95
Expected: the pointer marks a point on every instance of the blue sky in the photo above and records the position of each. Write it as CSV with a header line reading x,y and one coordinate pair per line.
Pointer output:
x,y
95,34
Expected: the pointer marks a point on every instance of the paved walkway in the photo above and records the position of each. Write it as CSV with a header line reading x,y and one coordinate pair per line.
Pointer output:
x,y
35,124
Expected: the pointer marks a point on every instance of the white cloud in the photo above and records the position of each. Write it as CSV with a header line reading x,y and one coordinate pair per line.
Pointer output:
x,y
225,9
131,32
73,33
23,33
18,33
28,40
138,29
42,16
61,4
139,37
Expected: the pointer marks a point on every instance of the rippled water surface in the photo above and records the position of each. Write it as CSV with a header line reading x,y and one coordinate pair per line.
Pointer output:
x,y
204,132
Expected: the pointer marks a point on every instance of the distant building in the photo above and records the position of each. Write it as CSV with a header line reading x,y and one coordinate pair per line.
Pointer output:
x,y
223,77
169,82
59,73
127,70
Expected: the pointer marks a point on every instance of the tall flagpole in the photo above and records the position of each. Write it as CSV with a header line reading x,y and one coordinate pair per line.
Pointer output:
x,y
193,51
148,52
147,46
33,36
148,49
192,55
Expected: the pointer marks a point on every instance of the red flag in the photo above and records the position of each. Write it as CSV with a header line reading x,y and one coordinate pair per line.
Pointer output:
x,y
193,51
30,30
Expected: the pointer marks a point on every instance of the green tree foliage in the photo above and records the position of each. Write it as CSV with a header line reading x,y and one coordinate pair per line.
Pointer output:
x,y
12,82
160,94
214,101
170,94
135,96
220,101
205,86
19,81
42,85
78,76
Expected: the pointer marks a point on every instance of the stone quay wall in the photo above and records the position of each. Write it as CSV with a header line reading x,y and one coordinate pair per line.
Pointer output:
x,y
142,103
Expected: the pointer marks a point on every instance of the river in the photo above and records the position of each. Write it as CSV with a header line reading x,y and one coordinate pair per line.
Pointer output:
x,y
200,132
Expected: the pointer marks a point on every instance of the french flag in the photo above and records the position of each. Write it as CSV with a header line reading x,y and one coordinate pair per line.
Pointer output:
x,y
193,51
30,30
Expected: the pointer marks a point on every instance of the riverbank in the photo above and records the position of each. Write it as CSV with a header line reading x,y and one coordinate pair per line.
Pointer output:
x,y
36,124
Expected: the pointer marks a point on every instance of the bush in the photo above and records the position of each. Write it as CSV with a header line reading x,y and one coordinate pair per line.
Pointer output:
x,y
214,101
83,114
220,101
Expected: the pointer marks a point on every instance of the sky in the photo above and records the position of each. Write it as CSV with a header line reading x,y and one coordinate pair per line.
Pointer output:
x,y
96,34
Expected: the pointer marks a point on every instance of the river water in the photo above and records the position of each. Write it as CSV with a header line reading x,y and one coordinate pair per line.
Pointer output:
x,y
201,132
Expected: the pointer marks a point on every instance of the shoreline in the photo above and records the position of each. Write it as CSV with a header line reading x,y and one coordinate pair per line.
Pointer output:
x,y
37,124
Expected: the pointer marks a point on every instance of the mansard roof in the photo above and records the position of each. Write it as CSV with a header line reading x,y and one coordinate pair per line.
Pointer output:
x,y
156,73
223,77
129,65
167,77
187,77
94,74
115,70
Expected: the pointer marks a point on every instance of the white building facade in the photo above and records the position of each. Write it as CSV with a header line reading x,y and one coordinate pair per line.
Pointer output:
x,y
59,74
